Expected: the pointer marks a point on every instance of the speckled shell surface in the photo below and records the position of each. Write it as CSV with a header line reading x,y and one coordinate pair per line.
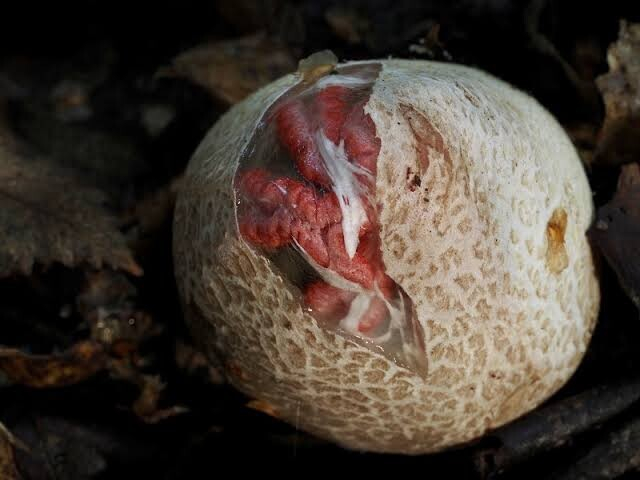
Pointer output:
x,y
470,174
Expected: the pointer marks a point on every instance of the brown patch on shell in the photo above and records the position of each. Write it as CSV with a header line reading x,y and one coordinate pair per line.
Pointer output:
x,y
557,258
430,149
427,137
413,180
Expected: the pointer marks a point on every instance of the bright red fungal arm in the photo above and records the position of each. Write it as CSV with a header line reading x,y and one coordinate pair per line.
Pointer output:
x,y
288,210
281,211
295,133
373,316
303,201
361,144
327,303
332,108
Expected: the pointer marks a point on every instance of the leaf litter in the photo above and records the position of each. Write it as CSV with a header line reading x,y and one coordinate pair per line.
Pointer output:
x,y
48,215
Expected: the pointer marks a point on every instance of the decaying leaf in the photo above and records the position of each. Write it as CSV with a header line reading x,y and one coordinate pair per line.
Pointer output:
x,y
47,215
263,407
193,362
248,15
347,24
585,138
7,141
156,208
617,231
8,469
107,303
231,70
146,406
620,137
97,156
73,448
71,101
78,363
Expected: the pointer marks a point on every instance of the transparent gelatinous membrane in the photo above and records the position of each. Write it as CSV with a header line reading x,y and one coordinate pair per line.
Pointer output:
x,y
305,192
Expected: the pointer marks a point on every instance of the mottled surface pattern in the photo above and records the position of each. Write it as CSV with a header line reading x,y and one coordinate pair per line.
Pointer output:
x,y
469,175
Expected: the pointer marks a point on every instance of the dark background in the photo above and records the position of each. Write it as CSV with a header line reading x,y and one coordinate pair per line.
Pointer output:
x,y
115,50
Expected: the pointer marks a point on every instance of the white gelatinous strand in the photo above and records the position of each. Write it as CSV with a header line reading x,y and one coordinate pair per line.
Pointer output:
x,y
397,317
359,306
346,187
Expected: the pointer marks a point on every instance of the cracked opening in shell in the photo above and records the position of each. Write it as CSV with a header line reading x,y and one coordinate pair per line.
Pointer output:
x,y
306,198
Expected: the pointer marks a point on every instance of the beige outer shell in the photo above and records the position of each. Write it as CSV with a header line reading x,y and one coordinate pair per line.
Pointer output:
x,y
503,329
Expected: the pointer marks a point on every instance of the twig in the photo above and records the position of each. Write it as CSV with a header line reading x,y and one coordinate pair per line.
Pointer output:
x,y
617,453
554,425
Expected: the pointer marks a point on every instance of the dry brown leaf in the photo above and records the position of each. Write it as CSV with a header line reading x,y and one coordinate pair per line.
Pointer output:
x,y
156,208
47,215
83,448
108,304
6,140
194,362
8,469
542,44
78,363
585,138
347,24
617,231
146,406
264,407
230,70
248,15
620,136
